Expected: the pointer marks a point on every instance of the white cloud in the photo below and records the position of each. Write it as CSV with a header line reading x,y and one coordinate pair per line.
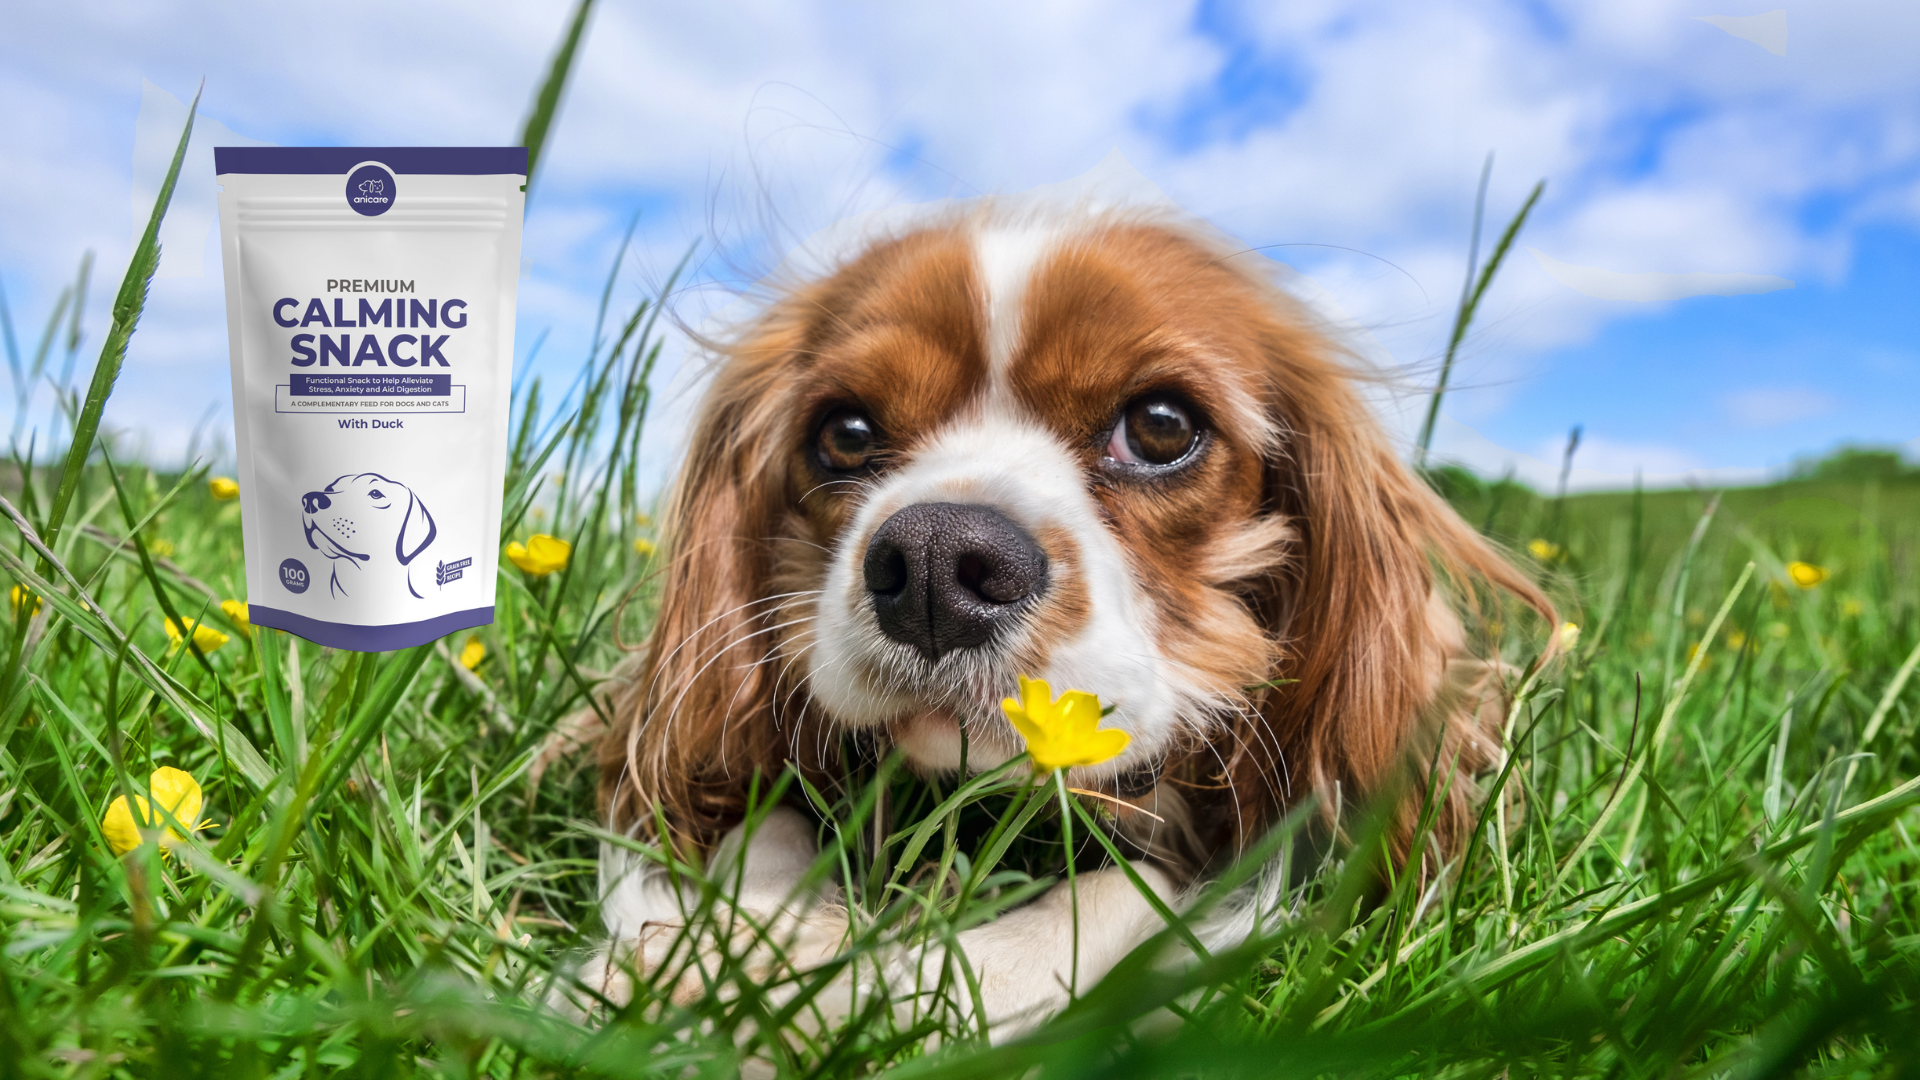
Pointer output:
x,y
1769,31
1774,406
1654,287
1600,464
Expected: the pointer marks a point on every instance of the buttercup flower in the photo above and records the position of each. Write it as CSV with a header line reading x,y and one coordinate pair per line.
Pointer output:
x,y
178,791
20,594
540,555
474,652
223,488
1805,575
644,547
1543,549
237,612
1064,732
1568,636
162,548
204,636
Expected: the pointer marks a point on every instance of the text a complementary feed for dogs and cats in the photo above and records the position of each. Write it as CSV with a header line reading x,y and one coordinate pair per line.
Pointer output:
x,y
370,309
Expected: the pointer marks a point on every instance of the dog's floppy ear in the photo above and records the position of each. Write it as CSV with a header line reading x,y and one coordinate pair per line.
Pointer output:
x,y
700,718
417,530
1365,610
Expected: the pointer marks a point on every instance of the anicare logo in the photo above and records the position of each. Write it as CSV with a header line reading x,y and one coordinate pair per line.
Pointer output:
x,y
370,190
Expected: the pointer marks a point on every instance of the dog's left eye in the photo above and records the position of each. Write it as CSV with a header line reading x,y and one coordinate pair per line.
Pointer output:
x,y
376,494
1154,430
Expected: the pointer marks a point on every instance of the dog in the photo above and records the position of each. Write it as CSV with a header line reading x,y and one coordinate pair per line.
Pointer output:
x,y
1103,448
370,529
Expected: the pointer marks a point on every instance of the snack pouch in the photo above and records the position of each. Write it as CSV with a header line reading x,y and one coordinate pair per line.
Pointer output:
x,y
370,309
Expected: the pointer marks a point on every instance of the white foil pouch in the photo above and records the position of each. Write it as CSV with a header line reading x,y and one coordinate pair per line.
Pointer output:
x,y
370,308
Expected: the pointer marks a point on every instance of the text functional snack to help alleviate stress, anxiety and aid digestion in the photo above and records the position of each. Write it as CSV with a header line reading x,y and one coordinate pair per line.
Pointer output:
x,y
370,306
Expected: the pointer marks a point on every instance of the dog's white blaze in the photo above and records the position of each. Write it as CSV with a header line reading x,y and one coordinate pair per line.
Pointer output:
x,y
1005,259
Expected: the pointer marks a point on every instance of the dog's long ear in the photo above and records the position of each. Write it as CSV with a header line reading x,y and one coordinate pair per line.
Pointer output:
x,y
417,530
700,718
1367,608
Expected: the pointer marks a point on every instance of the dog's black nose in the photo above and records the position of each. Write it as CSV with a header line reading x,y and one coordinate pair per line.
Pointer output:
x,y
314,501
945,576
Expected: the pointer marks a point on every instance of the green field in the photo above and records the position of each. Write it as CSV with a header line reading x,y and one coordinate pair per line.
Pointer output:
x,y
1710,866
391,894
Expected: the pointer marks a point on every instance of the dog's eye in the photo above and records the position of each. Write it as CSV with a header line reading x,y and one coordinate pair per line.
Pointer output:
x,y
1153,430
847,441
376,493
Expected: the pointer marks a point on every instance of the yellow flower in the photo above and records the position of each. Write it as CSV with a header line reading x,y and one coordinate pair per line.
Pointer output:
x,y
1568,637
1736,639
1779,629
237,614
20,594
162,548
178,791
204,636
642,519
1805,575
644,546
540,555
1851,607
1064,732
1543,549
223,488
475,652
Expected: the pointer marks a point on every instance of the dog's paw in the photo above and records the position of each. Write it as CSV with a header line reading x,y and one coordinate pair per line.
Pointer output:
x,y
715,960
575,732
603,979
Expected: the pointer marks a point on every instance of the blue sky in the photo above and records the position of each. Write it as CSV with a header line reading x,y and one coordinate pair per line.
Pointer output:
x,y
1345,137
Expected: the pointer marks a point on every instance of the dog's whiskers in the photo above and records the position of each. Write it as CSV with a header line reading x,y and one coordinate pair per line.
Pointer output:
x,y
770,656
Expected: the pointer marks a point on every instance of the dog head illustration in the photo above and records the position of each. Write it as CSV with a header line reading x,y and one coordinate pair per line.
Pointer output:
x,y
368,522
372,187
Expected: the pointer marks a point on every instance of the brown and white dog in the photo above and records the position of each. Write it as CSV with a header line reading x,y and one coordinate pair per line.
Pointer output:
x,y
1102,449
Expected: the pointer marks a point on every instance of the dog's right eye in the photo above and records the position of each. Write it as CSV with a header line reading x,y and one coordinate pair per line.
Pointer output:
x,y
847,441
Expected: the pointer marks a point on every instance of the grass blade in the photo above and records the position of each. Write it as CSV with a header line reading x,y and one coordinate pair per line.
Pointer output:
x,y
127,306
533,135
1469,303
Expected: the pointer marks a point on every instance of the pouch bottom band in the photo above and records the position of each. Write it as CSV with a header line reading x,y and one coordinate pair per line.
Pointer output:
x,y
362,638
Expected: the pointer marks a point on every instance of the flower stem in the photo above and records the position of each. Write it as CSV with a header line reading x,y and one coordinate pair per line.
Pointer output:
x,y
1073,893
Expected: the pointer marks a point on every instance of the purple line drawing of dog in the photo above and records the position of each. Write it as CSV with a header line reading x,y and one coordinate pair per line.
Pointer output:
x,y
370,529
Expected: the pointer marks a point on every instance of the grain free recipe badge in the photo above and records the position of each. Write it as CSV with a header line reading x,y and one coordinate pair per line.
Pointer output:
x,y
444,572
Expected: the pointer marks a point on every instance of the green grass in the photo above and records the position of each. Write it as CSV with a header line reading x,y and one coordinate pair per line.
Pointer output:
x,y
390,895
1711,868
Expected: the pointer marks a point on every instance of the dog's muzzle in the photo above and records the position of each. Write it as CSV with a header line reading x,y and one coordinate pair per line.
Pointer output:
x,y
947,576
